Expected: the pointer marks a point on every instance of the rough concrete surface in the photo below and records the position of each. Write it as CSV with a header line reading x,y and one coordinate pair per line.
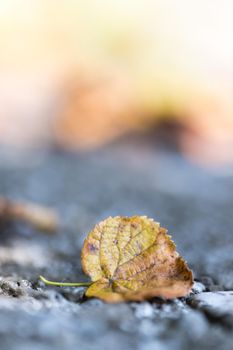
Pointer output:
x,y
125,178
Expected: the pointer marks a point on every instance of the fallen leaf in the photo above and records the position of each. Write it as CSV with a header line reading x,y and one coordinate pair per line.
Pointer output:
x,y
133,259
42,218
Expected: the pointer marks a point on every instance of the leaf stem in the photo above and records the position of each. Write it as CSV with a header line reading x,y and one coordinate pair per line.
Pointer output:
x,y
65,284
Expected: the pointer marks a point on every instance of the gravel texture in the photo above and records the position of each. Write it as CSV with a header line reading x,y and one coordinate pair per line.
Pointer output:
x,y
126,178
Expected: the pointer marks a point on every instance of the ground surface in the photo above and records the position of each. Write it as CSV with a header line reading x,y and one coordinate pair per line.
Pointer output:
x,y
129,177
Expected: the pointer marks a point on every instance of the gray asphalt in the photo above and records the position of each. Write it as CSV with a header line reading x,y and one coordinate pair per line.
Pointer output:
x,y
126,178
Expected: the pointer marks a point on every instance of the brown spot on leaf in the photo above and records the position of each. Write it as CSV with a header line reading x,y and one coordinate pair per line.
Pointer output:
x,y
91,248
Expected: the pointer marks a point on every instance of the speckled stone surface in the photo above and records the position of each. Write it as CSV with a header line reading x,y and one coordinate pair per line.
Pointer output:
x,y
126,178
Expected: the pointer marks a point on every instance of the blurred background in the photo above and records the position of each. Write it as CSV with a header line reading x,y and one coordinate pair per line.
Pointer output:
x,y
80,74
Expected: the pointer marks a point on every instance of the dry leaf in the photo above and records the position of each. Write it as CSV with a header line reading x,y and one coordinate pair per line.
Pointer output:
x,y
42,218
133,259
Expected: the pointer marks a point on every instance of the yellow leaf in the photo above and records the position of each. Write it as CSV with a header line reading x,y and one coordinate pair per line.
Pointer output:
x,y
133,259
